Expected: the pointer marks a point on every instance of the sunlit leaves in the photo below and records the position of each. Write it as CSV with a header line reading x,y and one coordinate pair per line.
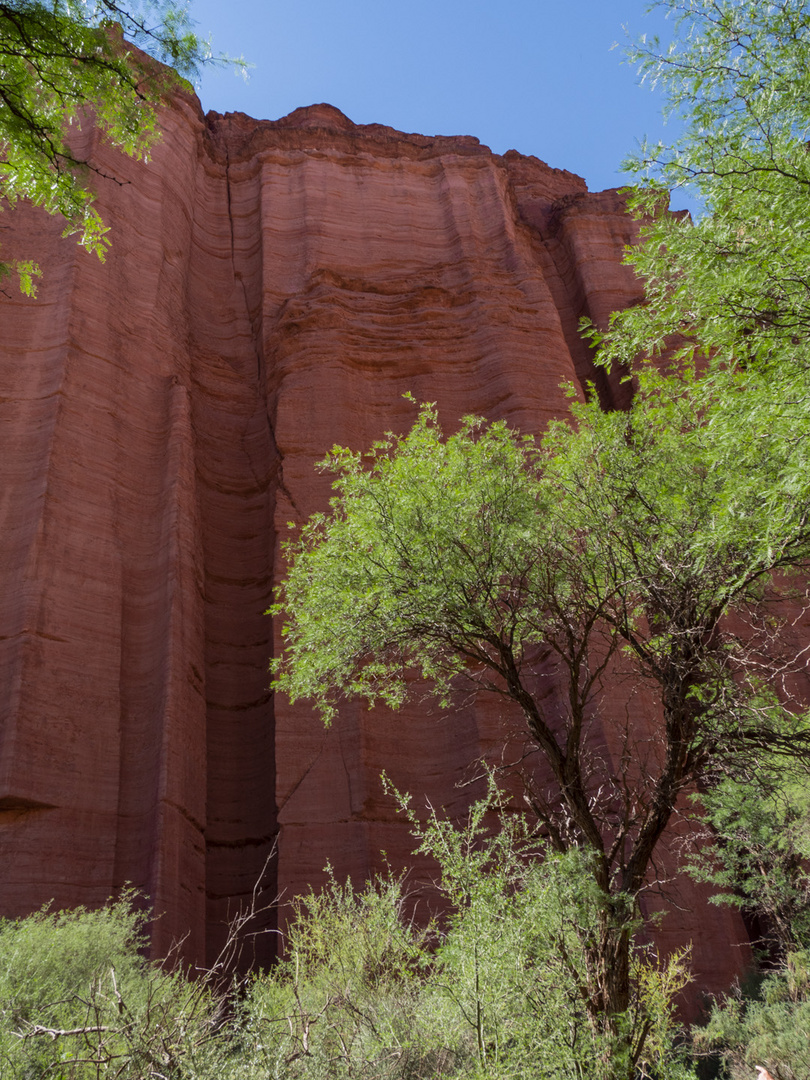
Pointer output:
x,y
416,565
65,66
734,287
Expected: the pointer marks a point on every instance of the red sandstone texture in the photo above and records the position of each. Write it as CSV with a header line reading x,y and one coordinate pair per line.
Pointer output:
x,y
273,288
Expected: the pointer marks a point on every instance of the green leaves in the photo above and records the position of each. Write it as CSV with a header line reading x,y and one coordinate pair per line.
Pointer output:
x,y
732,288
497,986
763,823
415,566
78,1000
635,533
67,64
768,1027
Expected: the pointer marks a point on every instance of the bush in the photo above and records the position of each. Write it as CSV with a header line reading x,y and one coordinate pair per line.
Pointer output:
x,y
349,999
497,988
78,1000
769,1028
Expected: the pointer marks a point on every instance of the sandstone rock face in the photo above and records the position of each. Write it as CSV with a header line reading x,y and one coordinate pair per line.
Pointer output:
x,y
273,288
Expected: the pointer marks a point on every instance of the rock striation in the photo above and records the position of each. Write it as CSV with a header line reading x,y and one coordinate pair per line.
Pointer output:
x,y
273,288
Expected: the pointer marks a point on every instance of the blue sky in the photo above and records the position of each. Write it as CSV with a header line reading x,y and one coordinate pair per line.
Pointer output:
x,y
540,76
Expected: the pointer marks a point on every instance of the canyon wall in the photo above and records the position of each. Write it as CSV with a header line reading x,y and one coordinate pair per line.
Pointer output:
x,y
273,288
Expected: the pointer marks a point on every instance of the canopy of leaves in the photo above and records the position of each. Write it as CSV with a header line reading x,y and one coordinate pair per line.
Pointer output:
x,y
68,62
763,824
466,554
730,293
768,1027
602,566
735,286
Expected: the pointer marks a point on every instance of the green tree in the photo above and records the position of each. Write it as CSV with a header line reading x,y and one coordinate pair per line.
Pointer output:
x,y
761,825
732,291
68,62
608,556
767,1028
514,958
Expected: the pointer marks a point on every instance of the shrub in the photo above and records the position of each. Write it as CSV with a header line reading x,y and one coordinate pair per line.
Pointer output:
x,y
78,1000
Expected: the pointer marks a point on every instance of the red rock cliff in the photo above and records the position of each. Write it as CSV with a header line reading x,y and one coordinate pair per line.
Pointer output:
x,y
273,288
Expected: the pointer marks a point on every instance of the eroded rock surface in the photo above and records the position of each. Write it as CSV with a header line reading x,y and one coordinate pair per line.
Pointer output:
x,y
273,288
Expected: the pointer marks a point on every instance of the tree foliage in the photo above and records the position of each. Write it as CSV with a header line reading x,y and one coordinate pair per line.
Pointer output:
x,y
762,822
768,1027
731,293
67,63
734,287
606,562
